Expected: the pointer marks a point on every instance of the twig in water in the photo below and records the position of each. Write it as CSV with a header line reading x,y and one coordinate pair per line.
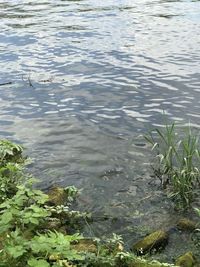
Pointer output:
x,y
29,81
1,84
47,80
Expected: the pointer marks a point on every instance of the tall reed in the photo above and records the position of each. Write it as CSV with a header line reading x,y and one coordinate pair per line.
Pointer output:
x,y
177,161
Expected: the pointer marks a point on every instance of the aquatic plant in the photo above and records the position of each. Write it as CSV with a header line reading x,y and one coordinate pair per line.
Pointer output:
x,y
177,161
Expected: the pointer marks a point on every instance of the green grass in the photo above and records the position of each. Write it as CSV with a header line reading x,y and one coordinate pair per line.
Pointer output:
x,y
177,161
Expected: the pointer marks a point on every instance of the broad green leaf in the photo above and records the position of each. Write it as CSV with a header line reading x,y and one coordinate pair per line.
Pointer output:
x,y
34,221
38,263
6,217
16,251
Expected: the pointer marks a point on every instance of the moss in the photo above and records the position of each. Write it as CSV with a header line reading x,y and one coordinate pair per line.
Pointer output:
x,y
155,240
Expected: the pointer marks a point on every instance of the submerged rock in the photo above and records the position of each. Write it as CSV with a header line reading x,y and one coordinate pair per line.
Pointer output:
x,y
156,240
186,225
186,260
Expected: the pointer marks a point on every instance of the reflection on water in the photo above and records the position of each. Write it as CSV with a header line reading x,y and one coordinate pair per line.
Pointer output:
x,y
88,78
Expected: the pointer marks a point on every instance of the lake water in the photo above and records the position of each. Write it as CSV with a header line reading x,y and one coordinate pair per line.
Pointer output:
x,y
88,78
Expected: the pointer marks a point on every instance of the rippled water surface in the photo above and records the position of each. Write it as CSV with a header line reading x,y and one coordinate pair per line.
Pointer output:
x,y
88,78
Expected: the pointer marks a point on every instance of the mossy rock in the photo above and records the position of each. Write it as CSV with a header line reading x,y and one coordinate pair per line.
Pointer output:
x,y
186,260
85,245
156,240
57,196
186,225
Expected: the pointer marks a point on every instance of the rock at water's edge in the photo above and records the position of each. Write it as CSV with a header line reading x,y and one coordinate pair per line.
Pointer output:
x,y
57,196
155,240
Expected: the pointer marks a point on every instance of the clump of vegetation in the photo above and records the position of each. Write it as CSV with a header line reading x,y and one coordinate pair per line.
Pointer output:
x,y
11,168
177,162
10,152
24,214
40,230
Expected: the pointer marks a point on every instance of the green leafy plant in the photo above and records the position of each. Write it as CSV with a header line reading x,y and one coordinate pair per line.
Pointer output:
x,y
22,219
10,177
24,208
25,239
177,162
12,164
72,218
108,251
71,192
10,152
46,249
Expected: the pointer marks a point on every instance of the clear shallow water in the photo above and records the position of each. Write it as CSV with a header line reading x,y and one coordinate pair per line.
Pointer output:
x,y
88,79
